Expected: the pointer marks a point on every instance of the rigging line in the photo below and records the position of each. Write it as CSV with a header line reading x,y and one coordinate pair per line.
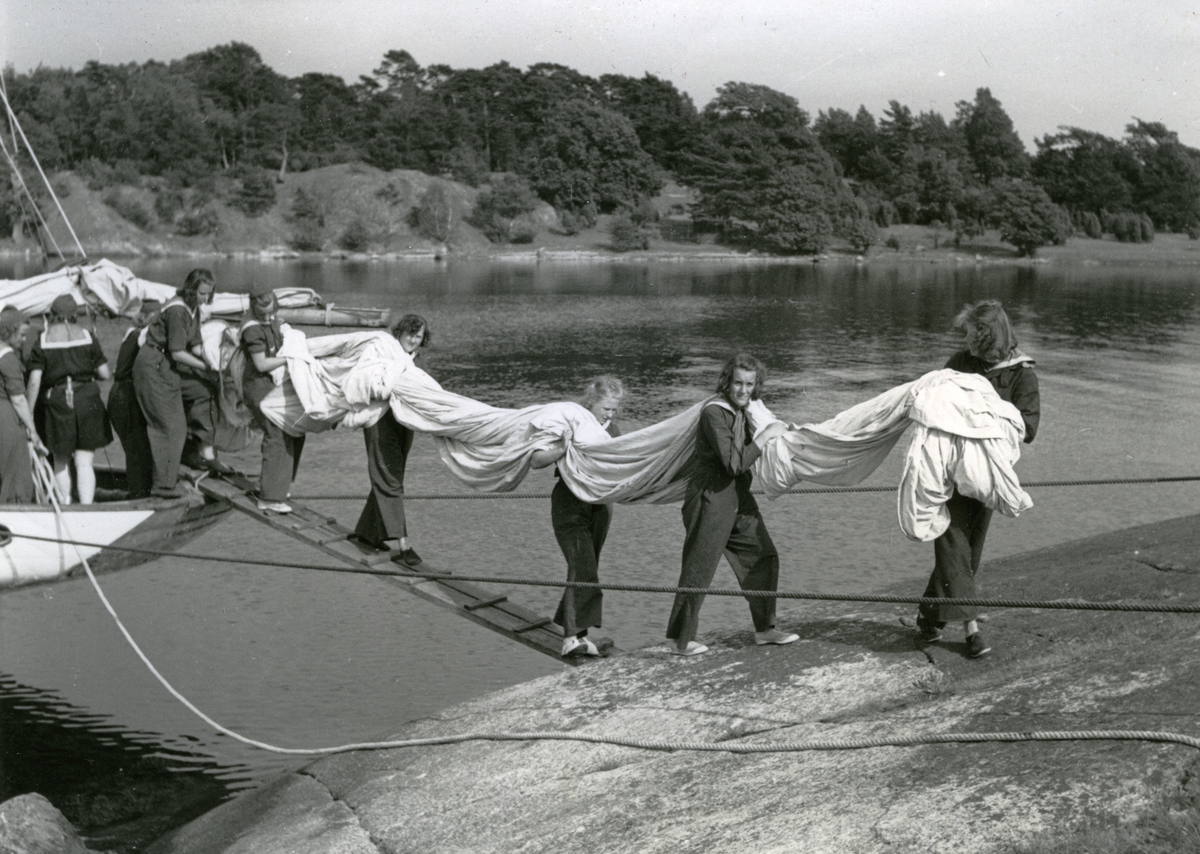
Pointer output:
x,y
1049,604
13,118
826,490
32,201
642,744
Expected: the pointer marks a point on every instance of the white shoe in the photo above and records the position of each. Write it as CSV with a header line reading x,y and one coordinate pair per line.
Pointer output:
x,y
274,507
574,646
693,648
775,636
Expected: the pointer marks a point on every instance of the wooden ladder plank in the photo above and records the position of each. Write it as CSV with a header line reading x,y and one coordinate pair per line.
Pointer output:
x,y
477,604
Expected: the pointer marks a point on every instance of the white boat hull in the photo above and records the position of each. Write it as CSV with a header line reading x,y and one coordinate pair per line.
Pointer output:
x,y
148,523
24,561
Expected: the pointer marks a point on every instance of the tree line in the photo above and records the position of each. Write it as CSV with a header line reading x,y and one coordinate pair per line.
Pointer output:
x,y
765,174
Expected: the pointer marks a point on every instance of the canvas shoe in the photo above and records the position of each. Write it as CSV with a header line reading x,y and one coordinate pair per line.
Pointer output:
x,y
215,466
929,634
976,646
274,506
693,648
573,647
407,557
775,636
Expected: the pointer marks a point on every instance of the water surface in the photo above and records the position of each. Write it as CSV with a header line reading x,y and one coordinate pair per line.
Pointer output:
x,y
299,658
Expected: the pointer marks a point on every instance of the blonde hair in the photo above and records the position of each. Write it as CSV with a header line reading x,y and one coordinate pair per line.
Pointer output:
x,y
994,337
598,388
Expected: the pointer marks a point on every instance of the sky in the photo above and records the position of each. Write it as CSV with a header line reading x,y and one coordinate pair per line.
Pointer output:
x,y
1094,64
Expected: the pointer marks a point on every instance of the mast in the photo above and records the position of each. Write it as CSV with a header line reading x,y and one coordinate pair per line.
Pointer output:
x,y
15,126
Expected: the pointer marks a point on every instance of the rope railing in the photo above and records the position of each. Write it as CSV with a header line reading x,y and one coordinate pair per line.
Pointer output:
x,y
823,490
723,746
880,598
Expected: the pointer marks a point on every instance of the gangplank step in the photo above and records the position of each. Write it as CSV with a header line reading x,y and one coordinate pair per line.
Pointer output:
x,y
477,604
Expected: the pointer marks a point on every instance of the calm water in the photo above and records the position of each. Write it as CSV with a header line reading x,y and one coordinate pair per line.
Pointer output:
x,y
303,659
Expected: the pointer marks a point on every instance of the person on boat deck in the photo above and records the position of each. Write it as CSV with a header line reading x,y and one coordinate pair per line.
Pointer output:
x,y
201,391
17,428
172,342
64,365
382,523
991,352
581,528
261,339
720,514
124,412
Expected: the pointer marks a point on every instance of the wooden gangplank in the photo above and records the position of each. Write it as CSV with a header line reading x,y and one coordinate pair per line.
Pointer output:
x,y
477,604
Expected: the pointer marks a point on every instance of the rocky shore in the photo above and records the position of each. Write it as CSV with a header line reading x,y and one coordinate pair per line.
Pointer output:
x,y
856,676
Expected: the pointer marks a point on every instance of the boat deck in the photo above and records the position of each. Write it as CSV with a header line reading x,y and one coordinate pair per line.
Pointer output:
x,y
477,604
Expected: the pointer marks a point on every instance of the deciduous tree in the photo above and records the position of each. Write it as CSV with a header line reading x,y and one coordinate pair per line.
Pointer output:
x,y
1026,217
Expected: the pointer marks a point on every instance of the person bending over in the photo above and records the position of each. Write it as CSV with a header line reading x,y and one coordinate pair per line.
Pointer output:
x,y
720,514
173,344
581,528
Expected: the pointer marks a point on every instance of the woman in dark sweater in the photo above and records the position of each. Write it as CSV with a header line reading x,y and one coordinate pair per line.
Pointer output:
x,y
991,352
261,338
720,514
172,344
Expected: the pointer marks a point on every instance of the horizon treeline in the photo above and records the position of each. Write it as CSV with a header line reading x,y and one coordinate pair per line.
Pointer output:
x,y
765,172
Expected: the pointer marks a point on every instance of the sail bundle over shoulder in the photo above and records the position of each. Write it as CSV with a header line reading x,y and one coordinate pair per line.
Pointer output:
x,y
964,436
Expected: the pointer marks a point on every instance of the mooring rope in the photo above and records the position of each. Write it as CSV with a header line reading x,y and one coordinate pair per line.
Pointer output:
x,y
1050,604
822,490
619,741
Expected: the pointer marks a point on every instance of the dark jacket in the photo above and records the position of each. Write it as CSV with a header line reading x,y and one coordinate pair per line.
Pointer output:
x,y
1016,383
725,452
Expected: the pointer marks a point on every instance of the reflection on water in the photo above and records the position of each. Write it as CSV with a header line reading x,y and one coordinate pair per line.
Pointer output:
x,y
120,789
303,659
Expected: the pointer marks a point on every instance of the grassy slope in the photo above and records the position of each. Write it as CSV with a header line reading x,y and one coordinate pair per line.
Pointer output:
x,y
383,201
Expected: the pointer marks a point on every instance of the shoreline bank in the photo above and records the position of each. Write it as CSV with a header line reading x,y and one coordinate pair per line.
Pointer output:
x,y
1166,250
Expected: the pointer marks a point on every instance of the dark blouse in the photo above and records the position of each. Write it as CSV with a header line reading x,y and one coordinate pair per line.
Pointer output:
x,y
12,377
1018,384
265,338
126,356
725,451
175,328
57,361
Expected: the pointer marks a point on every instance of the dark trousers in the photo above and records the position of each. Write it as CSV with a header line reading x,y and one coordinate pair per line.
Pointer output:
x,y
280,452
956,555
130,426
201,404
156,385
724,523
16,472
388,443
580,529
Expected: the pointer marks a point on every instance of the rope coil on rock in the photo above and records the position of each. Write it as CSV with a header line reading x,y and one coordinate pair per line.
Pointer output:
x,y
780,747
